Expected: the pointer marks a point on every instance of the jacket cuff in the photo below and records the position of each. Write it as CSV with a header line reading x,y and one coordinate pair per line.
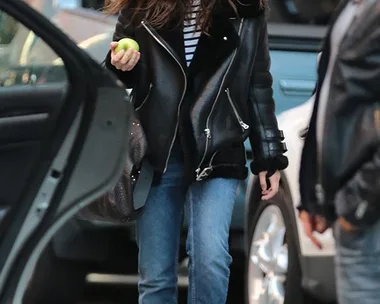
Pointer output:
x,y
271,165
366,221
362,213
127,78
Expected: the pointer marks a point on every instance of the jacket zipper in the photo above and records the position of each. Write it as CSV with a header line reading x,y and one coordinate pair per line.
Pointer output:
x,y
319,191
146,97
201,174
243,125
145,25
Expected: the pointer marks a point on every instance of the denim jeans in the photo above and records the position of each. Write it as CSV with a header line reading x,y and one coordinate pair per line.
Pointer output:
x,y
357,265
209,206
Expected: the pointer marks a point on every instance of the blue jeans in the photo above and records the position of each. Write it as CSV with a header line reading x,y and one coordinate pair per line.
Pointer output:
x,y
209,206
357,265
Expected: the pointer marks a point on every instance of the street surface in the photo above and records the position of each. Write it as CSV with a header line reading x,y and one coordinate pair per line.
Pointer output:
x,y
122,293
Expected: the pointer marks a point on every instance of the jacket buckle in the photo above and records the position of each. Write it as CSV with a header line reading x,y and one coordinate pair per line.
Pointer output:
x,y
203,174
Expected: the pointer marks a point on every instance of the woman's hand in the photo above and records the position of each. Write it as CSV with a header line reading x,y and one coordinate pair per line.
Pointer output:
x,y
313,223
124,60
346,225
268,193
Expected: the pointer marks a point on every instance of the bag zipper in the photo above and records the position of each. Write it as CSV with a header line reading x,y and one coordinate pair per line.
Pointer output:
x,y
163,44
146,97
243,125
204,173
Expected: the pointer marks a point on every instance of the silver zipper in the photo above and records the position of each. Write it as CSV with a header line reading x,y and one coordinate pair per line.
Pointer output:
x,y
201,174
206,171
183,93
146,97
243,125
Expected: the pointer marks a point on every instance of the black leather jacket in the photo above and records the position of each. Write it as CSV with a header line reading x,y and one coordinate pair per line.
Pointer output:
x,y
215,104
345,179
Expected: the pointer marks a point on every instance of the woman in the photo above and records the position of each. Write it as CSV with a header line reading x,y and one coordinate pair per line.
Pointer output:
x,y
201,85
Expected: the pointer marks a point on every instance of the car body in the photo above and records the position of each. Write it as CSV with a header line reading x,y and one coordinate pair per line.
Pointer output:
x,y
61,144
313,267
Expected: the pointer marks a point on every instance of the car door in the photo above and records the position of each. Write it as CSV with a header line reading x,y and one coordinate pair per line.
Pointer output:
x,y
63,124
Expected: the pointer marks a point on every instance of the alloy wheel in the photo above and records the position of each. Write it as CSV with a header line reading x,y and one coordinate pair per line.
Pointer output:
x,y
268,259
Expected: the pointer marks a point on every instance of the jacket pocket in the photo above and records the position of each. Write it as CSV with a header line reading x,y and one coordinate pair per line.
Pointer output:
x,y
242,124
139,105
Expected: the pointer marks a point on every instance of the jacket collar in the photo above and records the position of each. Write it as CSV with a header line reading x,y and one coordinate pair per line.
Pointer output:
x,y
221,40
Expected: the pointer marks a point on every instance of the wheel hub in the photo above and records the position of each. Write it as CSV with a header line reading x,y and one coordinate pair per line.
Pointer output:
x,y
268,261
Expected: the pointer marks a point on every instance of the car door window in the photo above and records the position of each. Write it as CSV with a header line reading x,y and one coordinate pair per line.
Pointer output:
x,y
8,26
26,61
301,12
24,58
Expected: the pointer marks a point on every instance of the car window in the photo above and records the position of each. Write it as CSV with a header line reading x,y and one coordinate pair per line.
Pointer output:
x,y
24,58
301,12
8,26
93,4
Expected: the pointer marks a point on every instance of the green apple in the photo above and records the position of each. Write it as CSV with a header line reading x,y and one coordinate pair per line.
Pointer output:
x,y
127,43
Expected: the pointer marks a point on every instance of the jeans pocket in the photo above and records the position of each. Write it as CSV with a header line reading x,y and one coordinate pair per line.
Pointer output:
x,y
359,241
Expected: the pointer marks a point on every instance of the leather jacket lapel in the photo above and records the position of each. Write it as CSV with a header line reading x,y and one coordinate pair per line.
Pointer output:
x,y
213,48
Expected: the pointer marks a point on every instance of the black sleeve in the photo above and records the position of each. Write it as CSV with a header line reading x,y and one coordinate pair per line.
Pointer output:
x,y
266,139
363,194
123,29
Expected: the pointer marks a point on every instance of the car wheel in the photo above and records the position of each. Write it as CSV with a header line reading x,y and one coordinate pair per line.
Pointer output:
x,y
273,273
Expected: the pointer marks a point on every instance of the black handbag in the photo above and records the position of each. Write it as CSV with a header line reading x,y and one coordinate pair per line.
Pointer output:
x,y
126,200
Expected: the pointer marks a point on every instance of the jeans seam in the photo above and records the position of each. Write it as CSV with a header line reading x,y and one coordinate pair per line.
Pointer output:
x,y
192,250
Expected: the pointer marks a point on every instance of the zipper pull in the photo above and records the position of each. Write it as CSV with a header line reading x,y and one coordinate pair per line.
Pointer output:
x,y
244,125
207,132
320,194
203,174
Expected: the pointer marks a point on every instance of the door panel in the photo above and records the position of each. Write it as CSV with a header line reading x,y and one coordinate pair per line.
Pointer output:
x,y
32,94
63,125
29,113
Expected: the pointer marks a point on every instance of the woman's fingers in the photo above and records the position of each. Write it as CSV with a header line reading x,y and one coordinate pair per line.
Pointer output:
x,y
126,57
116,58
125,60
113,45
132,61
263,181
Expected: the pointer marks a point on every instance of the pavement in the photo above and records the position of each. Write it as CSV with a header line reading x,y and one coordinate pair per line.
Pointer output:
x,y
118,289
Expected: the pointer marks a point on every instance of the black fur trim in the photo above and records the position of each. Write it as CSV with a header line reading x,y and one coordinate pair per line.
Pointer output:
x,y
230,171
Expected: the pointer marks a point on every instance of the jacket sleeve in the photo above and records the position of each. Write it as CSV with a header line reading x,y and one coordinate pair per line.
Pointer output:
x,y
266,139
123,29
362,192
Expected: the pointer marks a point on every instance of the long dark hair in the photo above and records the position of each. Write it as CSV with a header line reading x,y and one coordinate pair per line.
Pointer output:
x,y
159,12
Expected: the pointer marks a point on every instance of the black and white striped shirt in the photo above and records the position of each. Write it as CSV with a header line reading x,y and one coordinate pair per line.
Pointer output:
x,y
191,33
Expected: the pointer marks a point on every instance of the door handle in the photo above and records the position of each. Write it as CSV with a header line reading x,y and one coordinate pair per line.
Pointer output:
x,y
297,87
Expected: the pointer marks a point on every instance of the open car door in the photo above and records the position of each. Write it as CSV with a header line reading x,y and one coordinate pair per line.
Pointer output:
x,y
63,125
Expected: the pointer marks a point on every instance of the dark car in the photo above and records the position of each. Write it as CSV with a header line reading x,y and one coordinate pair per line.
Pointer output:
x,y
61,140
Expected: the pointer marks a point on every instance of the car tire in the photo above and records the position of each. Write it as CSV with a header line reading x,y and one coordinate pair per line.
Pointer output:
x,y
277,214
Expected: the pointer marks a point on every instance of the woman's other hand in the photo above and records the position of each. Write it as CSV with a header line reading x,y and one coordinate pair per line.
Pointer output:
x,y
124,60
268,193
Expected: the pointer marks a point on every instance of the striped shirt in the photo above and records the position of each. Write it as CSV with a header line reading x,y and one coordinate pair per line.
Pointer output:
x,y
191,34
